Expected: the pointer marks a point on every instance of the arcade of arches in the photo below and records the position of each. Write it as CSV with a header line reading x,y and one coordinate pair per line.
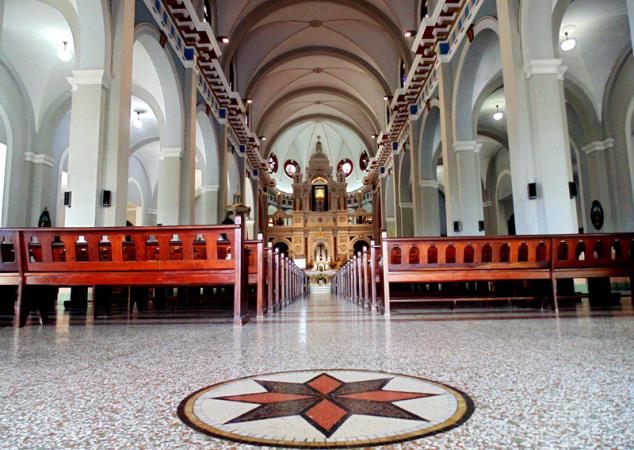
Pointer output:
x,y
332,121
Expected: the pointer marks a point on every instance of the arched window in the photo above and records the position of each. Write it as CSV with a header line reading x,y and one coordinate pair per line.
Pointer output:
x,y
424,12
290,167
273,164
232,77
346,166
207,11
364,160
402,73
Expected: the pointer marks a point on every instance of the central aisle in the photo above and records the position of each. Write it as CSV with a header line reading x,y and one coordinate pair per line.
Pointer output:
x,y
541,383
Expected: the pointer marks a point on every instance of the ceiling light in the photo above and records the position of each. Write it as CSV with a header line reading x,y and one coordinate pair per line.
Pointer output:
x,y
387,97
223,39
568,43
374,135
137,121
64,52
249,101
263,138
498,115
409,33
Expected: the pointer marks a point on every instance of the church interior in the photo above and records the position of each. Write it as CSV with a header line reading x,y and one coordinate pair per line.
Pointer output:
x,y
391,224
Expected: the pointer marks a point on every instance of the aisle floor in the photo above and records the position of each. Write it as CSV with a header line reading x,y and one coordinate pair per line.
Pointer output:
x,y
537,380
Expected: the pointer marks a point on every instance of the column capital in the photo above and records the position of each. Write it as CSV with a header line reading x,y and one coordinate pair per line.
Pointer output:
x,y
487,204
170,152
545,67
428,184
39,158
598,146
89,78
209,188
467,146
152,211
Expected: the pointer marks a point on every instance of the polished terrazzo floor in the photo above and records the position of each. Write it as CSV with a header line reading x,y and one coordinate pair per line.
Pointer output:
x,y
537,380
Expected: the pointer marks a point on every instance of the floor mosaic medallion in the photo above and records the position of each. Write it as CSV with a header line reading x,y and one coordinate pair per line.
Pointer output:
x,y
325,409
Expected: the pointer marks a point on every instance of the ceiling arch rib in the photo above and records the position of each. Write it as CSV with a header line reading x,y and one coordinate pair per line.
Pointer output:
x,y
316,50
281,102
242,28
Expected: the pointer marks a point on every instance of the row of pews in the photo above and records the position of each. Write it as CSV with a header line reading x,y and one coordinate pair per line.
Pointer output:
x,y
526,268
35,262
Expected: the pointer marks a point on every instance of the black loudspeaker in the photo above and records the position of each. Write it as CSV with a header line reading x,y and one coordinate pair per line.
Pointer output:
x,y
67,198
532,191
457,226
572,187
106,199
480,225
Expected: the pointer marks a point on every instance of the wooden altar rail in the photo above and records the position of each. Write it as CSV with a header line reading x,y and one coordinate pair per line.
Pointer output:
x,y
144,256
487,259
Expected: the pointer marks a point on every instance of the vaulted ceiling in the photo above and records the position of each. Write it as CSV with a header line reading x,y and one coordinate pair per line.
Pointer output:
x,y
310,62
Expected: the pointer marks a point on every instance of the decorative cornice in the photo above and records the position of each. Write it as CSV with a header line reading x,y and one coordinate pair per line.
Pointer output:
x,y
467,146
152,211
39,158
89,78
545,67
598,146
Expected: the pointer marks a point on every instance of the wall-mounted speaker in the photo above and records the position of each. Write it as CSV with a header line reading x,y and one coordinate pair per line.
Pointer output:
x,y
532,191
106,199
457,226
572,187
68,195
480,225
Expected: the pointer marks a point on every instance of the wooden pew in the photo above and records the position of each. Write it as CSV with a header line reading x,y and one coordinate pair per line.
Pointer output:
x,y
10,270
144,256
463,259
596,257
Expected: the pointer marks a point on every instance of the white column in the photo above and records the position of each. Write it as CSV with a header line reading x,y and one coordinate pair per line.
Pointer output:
x,y
188,180
597,176
538,131
208,205
469,182
452,198
429,213
169,186
86,147
223,175
117,146
414,148
552,144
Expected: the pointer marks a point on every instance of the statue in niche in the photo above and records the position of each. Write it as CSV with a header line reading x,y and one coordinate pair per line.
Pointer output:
x,y
45,219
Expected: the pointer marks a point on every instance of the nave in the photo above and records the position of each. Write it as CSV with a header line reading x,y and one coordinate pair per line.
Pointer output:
x,y
559,380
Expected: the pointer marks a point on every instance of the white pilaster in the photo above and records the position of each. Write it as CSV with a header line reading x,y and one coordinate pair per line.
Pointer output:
x,y
86,146
598,176
169,186
188,180
429,214
630,16
208,205
469,186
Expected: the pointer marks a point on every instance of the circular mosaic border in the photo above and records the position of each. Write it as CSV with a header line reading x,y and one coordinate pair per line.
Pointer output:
x,y
463,412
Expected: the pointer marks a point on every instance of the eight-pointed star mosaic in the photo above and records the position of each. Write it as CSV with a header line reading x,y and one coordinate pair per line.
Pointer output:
x,y
325,401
